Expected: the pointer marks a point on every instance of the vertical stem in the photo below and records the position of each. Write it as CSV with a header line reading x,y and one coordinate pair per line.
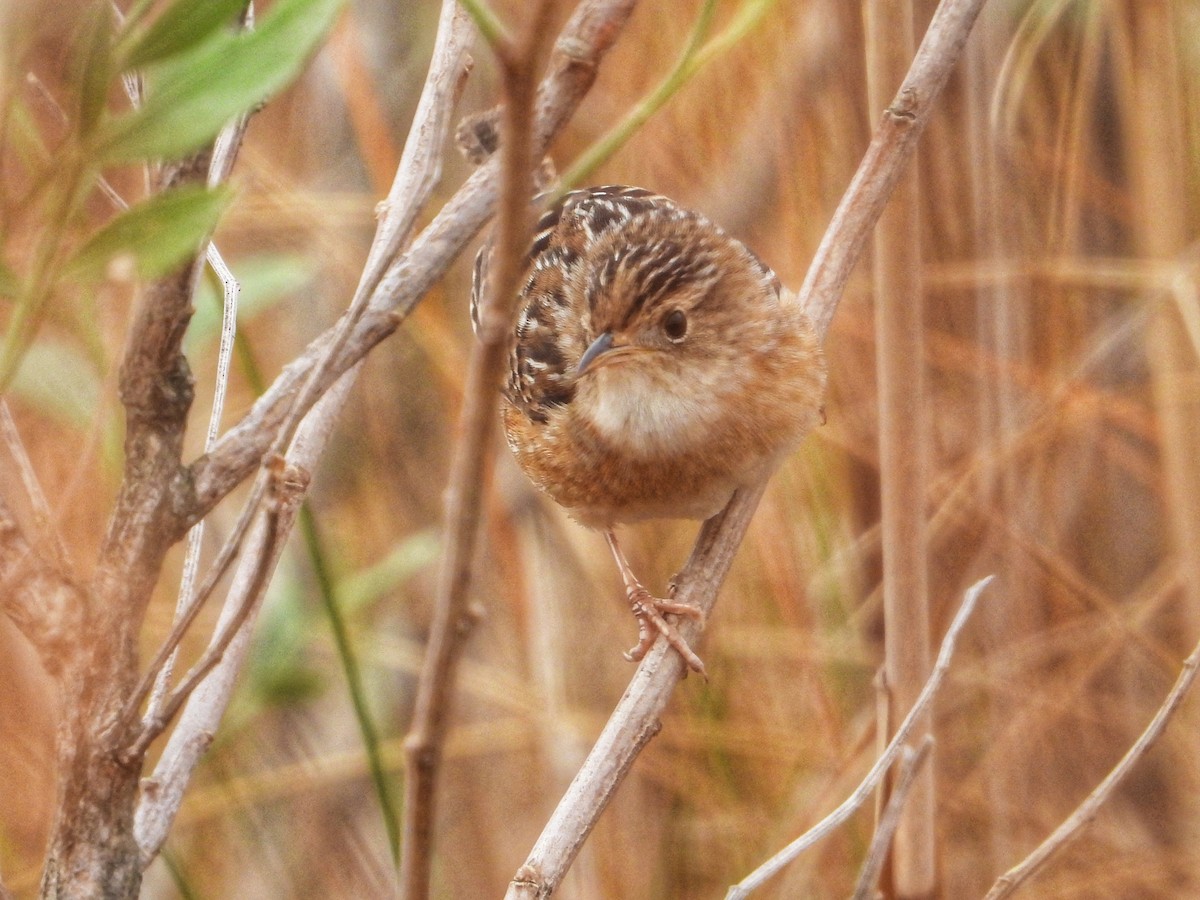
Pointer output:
x,y
1002,333
348,658
902,451
470,468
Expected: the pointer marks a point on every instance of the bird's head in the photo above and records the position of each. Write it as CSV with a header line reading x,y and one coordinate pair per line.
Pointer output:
x,y
672,293
674,309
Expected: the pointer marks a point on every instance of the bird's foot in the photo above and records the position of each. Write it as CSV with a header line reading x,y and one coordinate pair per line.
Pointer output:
x,y
651,612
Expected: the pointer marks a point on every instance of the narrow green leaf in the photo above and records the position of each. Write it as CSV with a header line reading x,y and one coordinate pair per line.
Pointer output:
x,y
365,586
10,284
486,20
193,95
23,135
94,60
157,234
181,27
57,379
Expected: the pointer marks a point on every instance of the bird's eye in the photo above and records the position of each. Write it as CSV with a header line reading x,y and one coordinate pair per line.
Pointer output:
x,y
675,326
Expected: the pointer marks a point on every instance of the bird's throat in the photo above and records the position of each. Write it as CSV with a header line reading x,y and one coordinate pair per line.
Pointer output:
x,y
640,412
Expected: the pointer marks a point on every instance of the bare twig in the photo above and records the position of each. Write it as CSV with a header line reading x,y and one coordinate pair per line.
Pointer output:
x,y
152,677
470,468
862,793
43,519
1083,815
910,764
417,175
208,698
288,486
585,39
636,716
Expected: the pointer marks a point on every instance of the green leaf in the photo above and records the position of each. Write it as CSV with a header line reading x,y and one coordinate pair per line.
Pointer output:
x,y
93,56
181,27
23,136
158,233
10,284
368,584
58,380
193,95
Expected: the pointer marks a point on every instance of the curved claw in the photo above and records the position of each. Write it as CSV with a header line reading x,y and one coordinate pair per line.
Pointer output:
x,y
649,611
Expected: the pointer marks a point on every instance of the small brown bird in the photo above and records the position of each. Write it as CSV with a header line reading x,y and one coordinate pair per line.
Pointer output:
x,y
655,368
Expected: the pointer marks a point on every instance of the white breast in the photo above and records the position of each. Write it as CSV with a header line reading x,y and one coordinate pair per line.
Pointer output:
x,y
632,408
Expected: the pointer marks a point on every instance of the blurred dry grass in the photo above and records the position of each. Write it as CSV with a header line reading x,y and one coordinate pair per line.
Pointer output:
x,y
1059,222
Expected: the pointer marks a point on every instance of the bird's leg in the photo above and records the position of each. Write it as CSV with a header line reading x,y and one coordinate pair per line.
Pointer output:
x,y
649,611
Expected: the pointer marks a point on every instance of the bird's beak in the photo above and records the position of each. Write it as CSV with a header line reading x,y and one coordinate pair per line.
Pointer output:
x,y
599,347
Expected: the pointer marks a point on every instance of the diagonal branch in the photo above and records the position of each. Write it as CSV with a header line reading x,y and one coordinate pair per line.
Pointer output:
x,y
585,39
1074,824
636,715
910,766
871,780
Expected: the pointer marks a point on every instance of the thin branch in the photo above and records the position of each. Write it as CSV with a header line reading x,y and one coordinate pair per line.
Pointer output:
x,y
910,765
470,468
417,175
891,148
289,484
584,41
637,717
862,793
1083,815
698,583
420,165
43,519
182,623
210,697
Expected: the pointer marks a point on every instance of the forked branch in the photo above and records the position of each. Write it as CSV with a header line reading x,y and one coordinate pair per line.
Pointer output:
x,y
871,781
